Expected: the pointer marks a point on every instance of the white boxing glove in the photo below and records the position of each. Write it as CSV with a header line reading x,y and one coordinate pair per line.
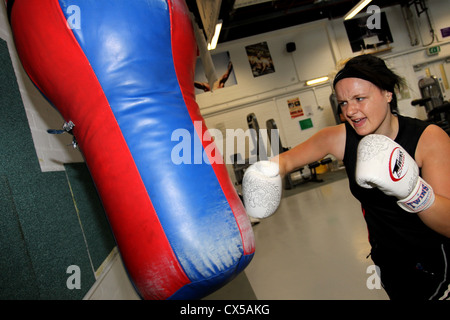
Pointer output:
x,y
261,189
384,164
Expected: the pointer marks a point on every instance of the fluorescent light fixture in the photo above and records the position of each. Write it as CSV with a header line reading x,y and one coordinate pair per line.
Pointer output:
x,y
356,9
316,81
212,45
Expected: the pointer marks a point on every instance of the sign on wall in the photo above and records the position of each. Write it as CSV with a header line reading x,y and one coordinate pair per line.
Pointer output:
x,y
260,59
295,108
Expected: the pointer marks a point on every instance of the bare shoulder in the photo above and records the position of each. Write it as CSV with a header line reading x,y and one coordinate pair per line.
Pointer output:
x,y
433,142
329,140
334,138
433,156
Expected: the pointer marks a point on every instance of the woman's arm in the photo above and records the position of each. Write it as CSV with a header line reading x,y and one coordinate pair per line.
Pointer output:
x,y
433,157
330,140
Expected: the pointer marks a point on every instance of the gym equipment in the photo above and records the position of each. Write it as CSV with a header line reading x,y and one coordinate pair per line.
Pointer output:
x,y
259,150
438,110
122,73
290,182
313,167
272,128
335,107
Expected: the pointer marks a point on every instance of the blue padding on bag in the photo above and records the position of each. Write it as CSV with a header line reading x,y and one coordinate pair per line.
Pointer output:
x,y
132,59
202,288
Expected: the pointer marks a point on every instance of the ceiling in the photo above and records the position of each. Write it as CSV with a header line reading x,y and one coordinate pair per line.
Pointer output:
x,y
261,16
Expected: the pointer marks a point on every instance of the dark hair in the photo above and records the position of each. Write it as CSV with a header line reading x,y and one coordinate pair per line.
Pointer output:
x,y
373,69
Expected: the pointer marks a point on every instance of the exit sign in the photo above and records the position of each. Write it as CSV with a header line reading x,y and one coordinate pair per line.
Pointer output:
x,y
431,51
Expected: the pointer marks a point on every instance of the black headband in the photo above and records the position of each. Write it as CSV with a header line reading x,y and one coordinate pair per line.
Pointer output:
x,y
349,72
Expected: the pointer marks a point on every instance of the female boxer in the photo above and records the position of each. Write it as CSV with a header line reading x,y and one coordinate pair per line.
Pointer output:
x,y
398,168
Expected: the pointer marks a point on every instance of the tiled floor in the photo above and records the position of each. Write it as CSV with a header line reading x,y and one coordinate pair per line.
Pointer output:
x,y
313,248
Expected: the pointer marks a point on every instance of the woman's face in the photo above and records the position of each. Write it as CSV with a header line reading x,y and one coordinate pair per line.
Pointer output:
x,y
364,106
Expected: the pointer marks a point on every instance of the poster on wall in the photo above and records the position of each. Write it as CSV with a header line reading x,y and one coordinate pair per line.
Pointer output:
x,y
295,108
224,70
361,37
260,59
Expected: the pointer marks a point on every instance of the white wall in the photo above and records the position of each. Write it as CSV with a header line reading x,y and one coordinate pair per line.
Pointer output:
x,y
320,45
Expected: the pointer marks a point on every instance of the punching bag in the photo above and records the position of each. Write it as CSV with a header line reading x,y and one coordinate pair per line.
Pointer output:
x,y
123,72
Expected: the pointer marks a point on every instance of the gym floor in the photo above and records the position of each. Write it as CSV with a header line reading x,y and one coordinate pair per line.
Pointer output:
x,y
313,248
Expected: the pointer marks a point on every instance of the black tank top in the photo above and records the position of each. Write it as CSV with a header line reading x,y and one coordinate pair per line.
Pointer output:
x,y
390,227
